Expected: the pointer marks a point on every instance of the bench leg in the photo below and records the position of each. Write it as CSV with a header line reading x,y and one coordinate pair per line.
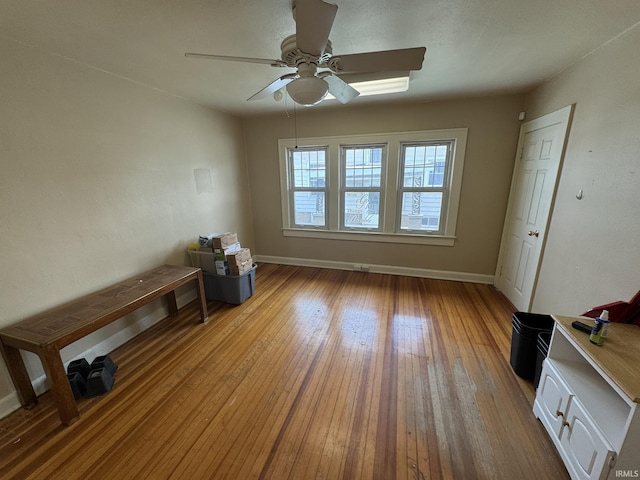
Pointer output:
x,y
172,303
60,388
202,300
19,375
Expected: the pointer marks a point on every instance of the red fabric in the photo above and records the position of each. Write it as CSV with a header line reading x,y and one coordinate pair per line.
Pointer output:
x,y
621,312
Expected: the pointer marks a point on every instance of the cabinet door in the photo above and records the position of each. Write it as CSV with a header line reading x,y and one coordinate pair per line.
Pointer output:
x,y
552,399
588,452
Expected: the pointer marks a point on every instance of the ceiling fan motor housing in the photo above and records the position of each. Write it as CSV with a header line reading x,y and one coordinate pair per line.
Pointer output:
x,y
308,89
293,56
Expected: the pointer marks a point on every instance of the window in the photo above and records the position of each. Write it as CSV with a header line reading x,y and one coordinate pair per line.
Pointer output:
x,y
308,186
362,174
393,188
423,189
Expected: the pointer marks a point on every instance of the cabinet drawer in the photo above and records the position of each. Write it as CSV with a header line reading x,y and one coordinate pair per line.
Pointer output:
x,y
587,450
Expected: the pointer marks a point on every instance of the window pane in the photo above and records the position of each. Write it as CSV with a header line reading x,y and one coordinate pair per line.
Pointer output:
x,y
362,209
421,211
309,168
363,166
424,166
308,208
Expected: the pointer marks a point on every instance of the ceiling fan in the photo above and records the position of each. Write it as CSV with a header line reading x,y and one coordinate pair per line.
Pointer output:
x,y
310,49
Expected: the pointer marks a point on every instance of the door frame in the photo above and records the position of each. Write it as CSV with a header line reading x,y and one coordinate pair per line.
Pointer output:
x,y
565,116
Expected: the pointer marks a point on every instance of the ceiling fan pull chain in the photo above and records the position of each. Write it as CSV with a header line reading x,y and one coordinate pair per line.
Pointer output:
x,y
286,108
295,124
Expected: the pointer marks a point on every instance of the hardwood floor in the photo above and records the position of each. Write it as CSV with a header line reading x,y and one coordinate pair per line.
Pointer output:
x,y
322,374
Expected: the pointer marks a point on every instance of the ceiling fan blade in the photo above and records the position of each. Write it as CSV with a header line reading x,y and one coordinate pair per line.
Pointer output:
x,y
265,61
388,60
342,91
277,84
314,19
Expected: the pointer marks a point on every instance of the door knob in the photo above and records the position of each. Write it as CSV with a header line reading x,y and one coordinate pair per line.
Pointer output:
x,y
534,233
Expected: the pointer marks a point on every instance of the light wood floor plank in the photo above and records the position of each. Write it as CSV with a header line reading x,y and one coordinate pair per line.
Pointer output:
x,y
321,374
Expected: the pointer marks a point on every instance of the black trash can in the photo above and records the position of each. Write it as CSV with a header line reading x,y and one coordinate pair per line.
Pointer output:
x,y
526,327
544,338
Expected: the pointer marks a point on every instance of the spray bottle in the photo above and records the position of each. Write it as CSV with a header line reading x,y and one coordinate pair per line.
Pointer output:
x,y
600,327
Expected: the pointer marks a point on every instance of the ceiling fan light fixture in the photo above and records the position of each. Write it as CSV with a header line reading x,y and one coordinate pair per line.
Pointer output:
x,y
308,91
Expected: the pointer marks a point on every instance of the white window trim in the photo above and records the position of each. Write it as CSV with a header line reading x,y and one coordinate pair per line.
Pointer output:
x,y
393,141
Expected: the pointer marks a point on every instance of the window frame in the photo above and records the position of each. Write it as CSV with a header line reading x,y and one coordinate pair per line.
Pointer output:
x,y
293,189
344,189
444,189
388,233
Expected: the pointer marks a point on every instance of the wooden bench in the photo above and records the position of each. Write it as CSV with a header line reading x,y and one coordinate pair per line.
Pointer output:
x,y
48,332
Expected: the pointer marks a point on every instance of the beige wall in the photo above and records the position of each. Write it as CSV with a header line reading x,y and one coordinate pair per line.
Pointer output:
x,y
493,128
97,183
592,254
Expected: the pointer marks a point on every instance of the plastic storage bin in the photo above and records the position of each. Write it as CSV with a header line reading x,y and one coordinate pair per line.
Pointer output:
x,y
526,327
203,259
544,338
230,288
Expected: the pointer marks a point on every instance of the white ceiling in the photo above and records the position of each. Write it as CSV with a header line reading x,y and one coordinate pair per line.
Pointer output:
x,y
474,47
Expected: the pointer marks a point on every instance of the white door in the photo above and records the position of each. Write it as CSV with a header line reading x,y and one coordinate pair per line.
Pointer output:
x,y
533,186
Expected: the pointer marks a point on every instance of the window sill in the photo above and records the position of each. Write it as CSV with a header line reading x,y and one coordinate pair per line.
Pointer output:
x,y
371,237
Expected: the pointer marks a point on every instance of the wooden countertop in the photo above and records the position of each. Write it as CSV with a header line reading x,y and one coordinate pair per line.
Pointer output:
x,y
619,357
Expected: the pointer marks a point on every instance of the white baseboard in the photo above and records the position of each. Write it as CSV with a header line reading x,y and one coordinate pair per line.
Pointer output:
x,y
387,269
10,402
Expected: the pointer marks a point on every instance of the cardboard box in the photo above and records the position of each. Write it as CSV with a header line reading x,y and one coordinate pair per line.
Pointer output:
x,y
222,267
224,240
221,253
239,261
239,256
236,270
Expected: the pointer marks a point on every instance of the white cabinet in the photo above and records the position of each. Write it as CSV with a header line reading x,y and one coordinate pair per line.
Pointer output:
x,y
585,450
587,400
